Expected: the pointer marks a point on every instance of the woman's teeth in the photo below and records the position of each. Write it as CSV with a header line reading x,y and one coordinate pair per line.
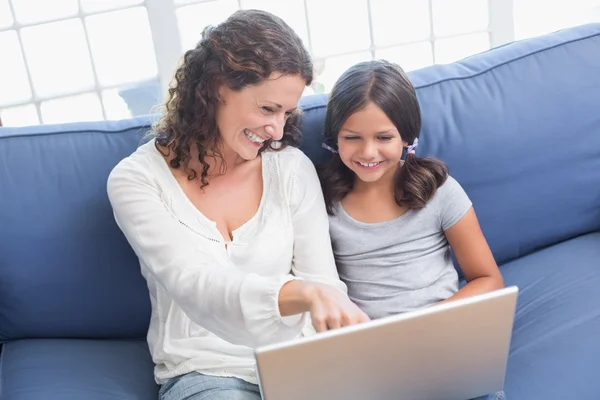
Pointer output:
x,y
253,138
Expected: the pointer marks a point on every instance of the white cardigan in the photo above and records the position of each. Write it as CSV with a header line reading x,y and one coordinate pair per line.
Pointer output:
x,y
212,303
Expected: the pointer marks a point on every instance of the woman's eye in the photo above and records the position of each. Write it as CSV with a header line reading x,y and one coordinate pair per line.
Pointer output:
x,y
268,109
288,114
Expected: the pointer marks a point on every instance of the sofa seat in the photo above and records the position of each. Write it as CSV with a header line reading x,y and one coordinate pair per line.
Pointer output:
x,y
62,369
554,348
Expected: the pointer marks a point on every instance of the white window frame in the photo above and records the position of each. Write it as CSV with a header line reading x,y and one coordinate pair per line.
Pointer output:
x,y
97,88
167,40
163,22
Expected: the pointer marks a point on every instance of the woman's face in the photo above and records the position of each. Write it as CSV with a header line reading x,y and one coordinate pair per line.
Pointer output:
x,y
248,117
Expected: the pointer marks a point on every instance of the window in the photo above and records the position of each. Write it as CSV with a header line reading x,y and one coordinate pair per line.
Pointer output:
x,y
413,33
75,60
70,60
538,17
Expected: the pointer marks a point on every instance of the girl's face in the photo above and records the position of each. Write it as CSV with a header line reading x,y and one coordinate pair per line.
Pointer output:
x,y
370,145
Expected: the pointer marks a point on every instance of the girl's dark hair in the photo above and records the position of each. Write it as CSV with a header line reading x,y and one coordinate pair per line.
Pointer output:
x,y
386,85
243,50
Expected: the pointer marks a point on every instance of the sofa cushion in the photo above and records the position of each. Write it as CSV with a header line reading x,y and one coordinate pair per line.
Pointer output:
x,y
58,369
312,124
519,127
555,350
66,269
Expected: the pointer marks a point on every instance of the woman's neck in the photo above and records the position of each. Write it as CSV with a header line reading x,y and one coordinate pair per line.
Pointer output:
x,y
219,164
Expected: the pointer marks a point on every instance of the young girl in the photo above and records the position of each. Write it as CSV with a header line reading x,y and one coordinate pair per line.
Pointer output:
x,y
394,217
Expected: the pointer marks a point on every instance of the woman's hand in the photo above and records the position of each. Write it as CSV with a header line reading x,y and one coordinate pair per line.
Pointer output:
x,y
329,308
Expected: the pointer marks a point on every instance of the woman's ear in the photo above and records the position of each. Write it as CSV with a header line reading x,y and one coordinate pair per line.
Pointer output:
x,y
222,92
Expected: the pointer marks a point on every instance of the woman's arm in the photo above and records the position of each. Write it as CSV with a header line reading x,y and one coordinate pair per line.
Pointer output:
x,y
240,308
313,261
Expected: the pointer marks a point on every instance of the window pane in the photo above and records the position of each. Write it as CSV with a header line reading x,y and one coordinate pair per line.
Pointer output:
x,y
400,21
539,17
409,57
85,107
329,70
193,19
132,100
103,5
5,14
332,33
19,116
291,11
453,49
459,16
58,58
122,46
14,85
30,11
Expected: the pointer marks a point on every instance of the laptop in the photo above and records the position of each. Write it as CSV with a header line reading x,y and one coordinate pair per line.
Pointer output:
x,y
452,351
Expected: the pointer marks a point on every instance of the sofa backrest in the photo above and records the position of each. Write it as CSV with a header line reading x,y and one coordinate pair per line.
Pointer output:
x,y
65,268
519,127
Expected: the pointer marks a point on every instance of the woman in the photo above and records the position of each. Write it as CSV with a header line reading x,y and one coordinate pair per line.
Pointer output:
x,y
227,220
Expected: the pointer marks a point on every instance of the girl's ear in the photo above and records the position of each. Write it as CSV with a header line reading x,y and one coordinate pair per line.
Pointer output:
x,y
404,142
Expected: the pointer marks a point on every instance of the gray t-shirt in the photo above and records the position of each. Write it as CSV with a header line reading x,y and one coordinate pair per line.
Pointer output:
x,y
402,264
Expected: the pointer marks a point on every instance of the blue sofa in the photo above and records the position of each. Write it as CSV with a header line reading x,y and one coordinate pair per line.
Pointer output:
x,y
519,127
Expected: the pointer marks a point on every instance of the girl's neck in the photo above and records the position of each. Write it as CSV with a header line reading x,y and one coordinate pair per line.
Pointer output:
x,y
373,202
384,185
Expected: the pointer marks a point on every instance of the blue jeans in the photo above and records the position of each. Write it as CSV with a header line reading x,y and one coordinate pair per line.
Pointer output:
x,y
493,396
195,386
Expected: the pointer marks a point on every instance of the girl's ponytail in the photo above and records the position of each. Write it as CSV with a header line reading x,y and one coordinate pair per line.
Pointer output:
x,y
387,86
417,180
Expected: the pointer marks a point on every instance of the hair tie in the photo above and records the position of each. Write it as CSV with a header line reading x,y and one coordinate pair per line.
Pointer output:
x,y
327,147
411,149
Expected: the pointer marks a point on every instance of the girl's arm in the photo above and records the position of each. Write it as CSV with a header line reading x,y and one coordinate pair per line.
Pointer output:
x,y
474,257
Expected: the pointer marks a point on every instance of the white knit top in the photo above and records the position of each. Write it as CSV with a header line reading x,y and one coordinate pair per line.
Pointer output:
x,y
214,301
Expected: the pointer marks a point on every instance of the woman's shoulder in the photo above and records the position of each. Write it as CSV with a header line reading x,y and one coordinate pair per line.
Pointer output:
x,y
292,160
139,165
287,154
296,173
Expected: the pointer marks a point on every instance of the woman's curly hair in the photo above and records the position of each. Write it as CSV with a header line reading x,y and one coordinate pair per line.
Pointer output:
x,y
243,50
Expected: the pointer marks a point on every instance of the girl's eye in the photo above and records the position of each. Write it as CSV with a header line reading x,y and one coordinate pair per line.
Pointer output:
x,y
351,137
385,138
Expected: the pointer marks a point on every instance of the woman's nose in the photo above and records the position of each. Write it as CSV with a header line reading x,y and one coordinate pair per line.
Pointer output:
x,y
275,129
